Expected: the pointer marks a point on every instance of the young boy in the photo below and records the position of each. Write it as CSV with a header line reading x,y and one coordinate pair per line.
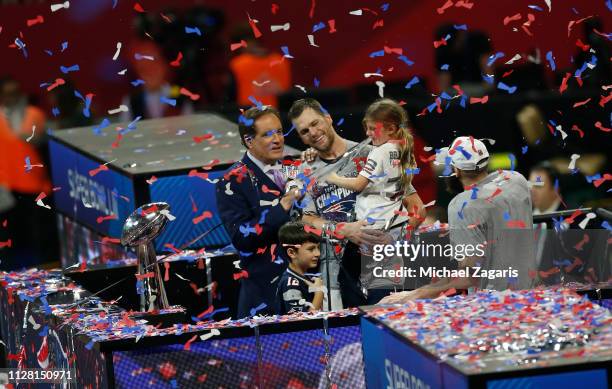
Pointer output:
x,y
297,292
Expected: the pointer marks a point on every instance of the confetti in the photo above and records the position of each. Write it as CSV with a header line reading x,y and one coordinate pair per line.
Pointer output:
x,y
57,7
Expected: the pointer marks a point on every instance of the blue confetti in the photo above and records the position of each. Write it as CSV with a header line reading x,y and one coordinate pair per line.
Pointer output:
x,y
55,111
285,50
49,52
606,225
257,308
463,101
551,60
432,106
444,67
137,82
536,8
447,166
64,46
246,230
115,3
380,53
86,112
405,60
495,57
318,26
89,345
512,161
98,129
193,30
413,171
489,79
262,218
460,213
474,195
445,96
21,47
609,4
245,253
245,121
168,101
44,332
460,27
578,72
66,70
385,7
415,80
341,121
524,149
507,88
463,151
506,216
28,164
255,102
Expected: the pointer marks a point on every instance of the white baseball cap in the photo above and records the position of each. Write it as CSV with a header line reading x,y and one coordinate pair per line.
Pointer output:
x,y
465,153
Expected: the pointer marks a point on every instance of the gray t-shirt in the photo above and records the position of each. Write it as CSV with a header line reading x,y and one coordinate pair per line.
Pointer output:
x,y
335,204
497,213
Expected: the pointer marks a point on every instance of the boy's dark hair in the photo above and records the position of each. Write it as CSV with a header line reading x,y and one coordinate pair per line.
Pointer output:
x,y
300,105
292,234
251,115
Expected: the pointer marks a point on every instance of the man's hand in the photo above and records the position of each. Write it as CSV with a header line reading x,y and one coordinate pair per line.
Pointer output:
x,y
402,297
309,155
291,196
317,282
363,236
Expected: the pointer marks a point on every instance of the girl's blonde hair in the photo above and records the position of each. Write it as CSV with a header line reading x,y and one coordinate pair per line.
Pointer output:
x,y
395,119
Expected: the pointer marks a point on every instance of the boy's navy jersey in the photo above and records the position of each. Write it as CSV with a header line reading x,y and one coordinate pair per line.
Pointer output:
x,y
292,293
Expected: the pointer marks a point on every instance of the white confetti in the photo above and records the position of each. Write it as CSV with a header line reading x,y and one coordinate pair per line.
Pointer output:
x,y
122,108
357,12
260,84
213,332
549,5
167,214
57,7
300,88
311,40
29,138
368,75
284,27
35,325
586,220
513,59
381,88
117,52
264,203
228,191
573,159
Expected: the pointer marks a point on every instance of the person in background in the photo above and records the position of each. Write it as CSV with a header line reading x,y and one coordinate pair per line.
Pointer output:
x,y
297,291
23,172
544,180
253,206
257,72
493,212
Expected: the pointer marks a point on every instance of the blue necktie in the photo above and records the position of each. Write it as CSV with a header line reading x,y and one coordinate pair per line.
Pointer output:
x,y
279,180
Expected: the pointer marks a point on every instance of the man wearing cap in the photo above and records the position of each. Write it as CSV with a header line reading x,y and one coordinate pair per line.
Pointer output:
x,y
493,210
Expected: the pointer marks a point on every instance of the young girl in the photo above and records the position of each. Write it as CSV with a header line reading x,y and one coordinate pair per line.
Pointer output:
x,y
386,179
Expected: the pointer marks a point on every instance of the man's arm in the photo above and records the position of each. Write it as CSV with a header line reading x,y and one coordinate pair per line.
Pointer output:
x,y
317,301
236,212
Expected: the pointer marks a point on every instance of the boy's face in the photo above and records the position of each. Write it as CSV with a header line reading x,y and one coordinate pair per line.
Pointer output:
x,y
306,256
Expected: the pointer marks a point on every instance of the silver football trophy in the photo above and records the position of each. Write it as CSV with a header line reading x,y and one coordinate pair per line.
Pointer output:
x,y
139,230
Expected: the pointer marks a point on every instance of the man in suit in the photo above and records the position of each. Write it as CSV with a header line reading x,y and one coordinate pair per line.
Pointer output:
x,y
253,206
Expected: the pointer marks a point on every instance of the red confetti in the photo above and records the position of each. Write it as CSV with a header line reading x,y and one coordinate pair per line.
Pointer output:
x,y
191,95
506,74
265,189
187,345
101,219
236,46
171,247
512,18
97,170
167,370
107,240
145,275
177,62
138,8
563,86
151,180
312,230
446,6
602,128
583,46
275,8
378,23
206,312
481,100
58,82
167,271
441,42
516,224
597,183
579,103
204,215
393,50
211,164
464,4
195,173
199,139
313,4
39,19
242,274
8,243
604,99
256,31
332,25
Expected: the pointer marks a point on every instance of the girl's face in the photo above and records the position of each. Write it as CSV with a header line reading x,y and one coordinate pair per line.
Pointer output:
x,y
376,131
